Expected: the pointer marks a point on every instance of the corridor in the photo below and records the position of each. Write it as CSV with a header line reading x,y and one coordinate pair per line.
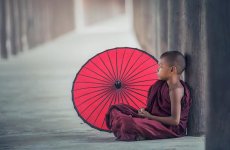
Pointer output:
x,y
36,105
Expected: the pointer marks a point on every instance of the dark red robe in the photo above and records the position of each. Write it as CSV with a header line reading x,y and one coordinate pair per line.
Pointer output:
x,y
125,123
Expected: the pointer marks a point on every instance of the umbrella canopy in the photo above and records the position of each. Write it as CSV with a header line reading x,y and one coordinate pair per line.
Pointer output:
x,y
118,75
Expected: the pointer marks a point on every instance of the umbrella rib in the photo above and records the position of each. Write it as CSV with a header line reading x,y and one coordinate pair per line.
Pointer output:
x,y
138,85
109,105
133,65
103,107
116,65
115,98
91,77
94,102
137,89
140,72
99,74
138,66
103,71
90,92
119,97
93,83
127,81
135,92
128,76
122,93
129,89
135,98
121,63
104,91
111,64
103,123
127,64
91,87
142,81
107,68
99,104
127,94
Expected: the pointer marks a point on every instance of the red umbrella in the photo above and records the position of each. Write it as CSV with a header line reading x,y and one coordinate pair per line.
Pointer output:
x,y
118,75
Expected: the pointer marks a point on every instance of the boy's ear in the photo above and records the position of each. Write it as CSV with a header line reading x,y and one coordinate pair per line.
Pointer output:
x,y
173,68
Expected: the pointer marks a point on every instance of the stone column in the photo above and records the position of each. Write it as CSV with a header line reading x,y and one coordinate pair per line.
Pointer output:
x,y
193,39
218,39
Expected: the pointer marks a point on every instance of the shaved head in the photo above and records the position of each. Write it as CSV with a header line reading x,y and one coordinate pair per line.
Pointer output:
x,y
175,58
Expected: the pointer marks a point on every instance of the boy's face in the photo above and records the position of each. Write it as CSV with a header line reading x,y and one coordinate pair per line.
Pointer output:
x,y
164,70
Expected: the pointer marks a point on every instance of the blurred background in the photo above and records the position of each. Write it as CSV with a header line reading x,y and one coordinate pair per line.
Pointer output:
x,y
29,23
44,43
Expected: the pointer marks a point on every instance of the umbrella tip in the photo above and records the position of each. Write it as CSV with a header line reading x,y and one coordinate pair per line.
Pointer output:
x,y
118,84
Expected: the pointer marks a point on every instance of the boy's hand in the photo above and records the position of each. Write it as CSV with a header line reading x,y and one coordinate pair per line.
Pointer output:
x,y
144,113
140,111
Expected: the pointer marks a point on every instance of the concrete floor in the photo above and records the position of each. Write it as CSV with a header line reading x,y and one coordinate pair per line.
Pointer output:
x,y
36,110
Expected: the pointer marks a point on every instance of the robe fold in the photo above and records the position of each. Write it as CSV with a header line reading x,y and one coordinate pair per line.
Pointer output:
x,y
125,123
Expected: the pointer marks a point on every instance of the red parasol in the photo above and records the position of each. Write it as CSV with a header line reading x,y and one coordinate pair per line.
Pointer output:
x,y
118,75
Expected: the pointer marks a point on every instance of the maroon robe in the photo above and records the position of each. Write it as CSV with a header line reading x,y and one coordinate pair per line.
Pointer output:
x,y
125,123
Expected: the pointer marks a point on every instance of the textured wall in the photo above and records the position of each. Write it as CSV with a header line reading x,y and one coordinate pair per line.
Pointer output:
x,y
28,23
163,25
218,39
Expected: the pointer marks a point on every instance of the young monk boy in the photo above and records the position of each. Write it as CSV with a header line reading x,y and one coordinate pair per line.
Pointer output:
x,y
168,104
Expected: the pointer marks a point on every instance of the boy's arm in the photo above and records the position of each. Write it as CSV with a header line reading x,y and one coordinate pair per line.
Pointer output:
x,y
175,97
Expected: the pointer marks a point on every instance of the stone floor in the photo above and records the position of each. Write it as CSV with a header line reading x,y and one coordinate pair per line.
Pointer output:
x,y
36,110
